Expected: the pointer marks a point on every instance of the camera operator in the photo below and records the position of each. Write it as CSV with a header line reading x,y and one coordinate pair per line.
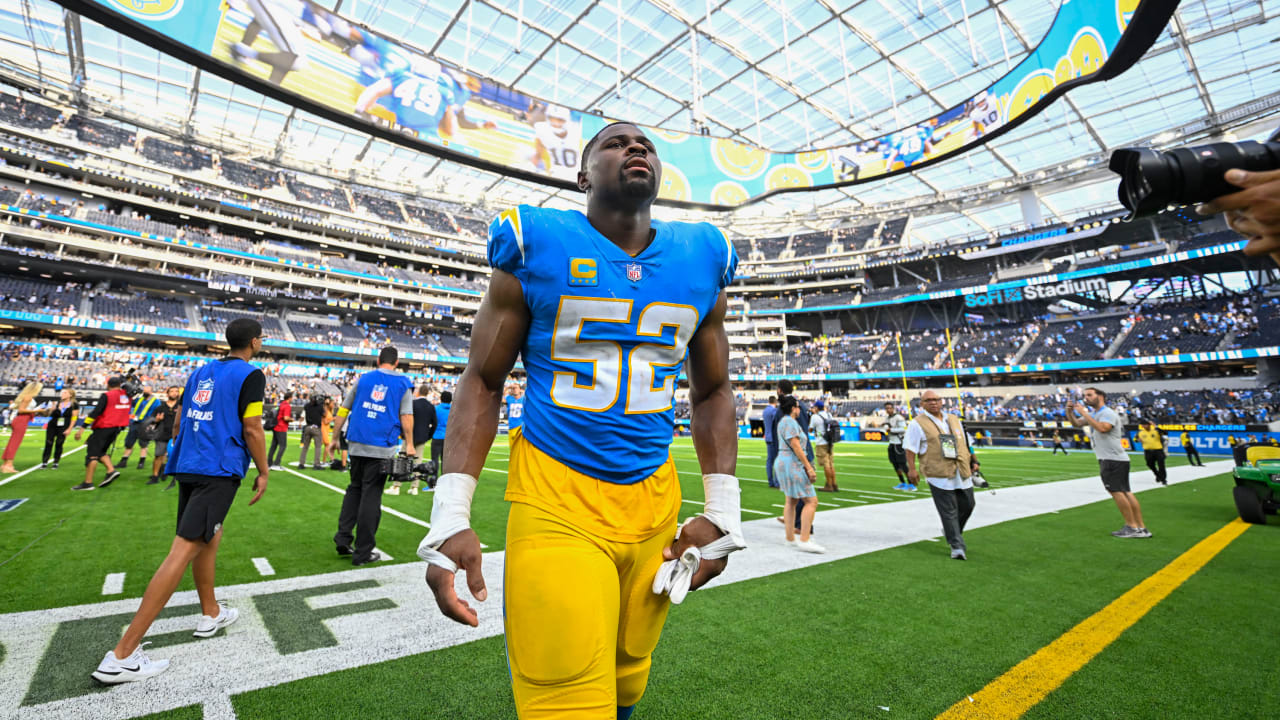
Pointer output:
x,y
1254,212
107,418
379,410
313,414
145,404
424,426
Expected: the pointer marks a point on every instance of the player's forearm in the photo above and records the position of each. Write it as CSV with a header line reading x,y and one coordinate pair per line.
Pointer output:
x,y
473,423
406,432
255,438
714,424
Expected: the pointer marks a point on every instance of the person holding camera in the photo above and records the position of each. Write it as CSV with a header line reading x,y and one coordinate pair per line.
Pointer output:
x,y
219,432
1254,212
378,413
1106,432
424,426
144,407
939,441
107,418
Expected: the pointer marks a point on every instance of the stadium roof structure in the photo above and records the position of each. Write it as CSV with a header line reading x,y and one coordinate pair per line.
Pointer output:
x,y
784,74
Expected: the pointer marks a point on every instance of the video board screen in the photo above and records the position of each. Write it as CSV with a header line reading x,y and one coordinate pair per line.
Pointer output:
x,y
320,59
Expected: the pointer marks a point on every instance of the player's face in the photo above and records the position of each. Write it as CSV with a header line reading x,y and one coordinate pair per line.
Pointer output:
x,y
557,123
624,162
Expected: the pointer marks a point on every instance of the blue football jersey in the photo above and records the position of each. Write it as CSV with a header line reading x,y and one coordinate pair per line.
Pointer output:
x,y
608,333
419,103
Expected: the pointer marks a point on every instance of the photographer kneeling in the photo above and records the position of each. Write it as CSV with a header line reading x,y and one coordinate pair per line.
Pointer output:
x,y
378,412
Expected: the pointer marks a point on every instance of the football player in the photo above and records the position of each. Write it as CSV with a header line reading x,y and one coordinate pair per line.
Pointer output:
x,y
416,97
603,308
279,19
555,144
459,86
984,114
910,146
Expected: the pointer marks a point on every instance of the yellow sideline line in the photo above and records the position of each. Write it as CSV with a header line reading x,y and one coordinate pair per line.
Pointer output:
x,y
1018,690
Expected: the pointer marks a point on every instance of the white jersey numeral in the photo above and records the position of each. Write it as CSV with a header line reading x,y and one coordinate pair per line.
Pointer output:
x,y
606,359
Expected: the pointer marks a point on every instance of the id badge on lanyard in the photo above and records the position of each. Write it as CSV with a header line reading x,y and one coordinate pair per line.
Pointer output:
x,y
948,442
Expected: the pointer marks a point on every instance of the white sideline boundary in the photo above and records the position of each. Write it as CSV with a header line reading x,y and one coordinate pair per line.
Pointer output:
x,y
245,659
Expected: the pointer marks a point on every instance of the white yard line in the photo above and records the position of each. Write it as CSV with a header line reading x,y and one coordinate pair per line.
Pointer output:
x,y
264,567
33,468
113,584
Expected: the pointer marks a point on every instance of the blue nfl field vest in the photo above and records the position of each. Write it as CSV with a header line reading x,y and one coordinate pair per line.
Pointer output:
x,y
608,333
375,413
211,433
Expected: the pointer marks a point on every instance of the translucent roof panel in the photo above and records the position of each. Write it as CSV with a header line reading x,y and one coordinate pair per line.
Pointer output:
x,y
787,74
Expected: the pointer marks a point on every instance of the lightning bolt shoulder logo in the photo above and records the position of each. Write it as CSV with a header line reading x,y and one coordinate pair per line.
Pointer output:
x,y
512,217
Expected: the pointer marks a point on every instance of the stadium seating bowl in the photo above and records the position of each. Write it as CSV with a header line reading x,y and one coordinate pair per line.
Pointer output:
x,y
1257,490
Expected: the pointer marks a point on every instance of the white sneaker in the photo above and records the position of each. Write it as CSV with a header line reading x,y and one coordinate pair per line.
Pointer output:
x,y
809,546
113,671
413,491
393,491
208,627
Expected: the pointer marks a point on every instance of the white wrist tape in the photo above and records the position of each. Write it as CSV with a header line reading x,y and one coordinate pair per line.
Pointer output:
x,y
723,507
450,515
724,510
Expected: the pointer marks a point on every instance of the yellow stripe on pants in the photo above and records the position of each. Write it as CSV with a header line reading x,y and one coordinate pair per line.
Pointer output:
x,y
1014,693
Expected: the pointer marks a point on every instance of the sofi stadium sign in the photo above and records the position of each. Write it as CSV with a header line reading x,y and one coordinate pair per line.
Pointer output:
x,y
1036,292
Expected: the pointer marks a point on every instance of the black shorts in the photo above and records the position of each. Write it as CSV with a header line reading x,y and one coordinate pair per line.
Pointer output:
x,y
100,441
1115,475
898,457
203,503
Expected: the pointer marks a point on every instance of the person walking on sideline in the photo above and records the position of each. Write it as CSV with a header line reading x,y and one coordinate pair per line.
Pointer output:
x,y
795,475
938,440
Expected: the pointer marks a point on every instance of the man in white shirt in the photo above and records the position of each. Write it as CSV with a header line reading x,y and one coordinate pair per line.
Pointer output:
x,y
947,462
822,448
1106,430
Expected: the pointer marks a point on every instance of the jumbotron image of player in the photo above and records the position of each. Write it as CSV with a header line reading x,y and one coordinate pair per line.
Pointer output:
x,y
282,21
555,144
417,98
602,307
458,87
910,146
984,114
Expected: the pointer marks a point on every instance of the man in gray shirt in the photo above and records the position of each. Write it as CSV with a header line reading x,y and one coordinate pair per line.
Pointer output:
x,y
378,413
1106,429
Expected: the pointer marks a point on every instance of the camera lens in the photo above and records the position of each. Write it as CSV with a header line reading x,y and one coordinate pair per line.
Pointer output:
x,y
1151,181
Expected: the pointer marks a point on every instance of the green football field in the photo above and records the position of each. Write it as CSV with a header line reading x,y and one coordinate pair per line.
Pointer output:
x,y
897,632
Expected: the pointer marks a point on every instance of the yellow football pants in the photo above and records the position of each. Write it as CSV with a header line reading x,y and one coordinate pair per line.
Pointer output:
x,y
581,617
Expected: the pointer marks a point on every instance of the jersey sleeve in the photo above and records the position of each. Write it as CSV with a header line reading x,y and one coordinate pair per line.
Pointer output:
x,y
725,251
506,242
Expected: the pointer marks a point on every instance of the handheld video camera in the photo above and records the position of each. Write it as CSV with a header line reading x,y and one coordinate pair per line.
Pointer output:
x,y
1151,181
404,468
130,383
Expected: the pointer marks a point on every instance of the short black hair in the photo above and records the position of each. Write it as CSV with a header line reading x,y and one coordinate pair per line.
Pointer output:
x,y
591,144
785,387
423,390
446,397
773,398
388,356
115,381
1096,391
288,395
242,331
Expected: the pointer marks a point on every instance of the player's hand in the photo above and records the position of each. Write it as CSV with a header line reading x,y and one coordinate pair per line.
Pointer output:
x,y
259,487
914,476
78,434
490,125
697,532
334,447
464,550
1254,212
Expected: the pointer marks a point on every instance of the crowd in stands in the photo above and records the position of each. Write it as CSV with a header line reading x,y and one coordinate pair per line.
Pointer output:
x,y
40,296
17,111
434,219
378,206
327,197
99,133
1081,339
247,175
179,157
1214,407
138,308
1197,326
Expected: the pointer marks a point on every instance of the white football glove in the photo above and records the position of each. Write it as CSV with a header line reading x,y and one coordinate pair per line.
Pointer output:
x,y
724,510
450,515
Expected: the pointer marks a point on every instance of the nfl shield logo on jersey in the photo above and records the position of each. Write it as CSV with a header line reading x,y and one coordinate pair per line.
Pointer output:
x,y
204,393
633,272
379,392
